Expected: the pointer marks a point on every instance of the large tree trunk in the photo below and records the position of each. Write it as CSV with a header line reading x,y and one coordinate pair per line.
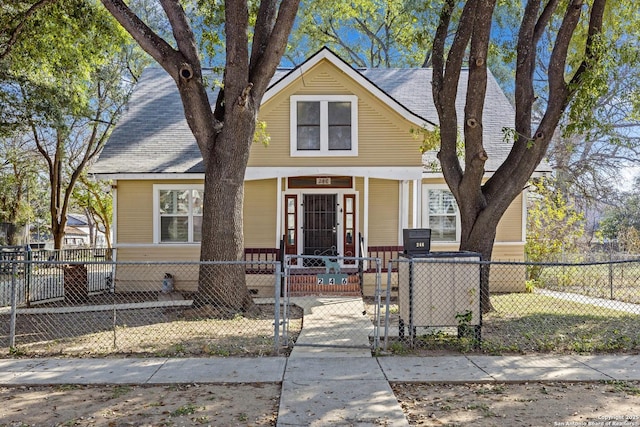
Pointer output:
x,y
224,136
479,233
222,224
482,204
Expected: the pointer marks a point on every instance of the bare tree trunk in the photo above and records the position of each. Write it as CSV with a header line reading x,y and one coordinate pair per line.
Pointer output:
x,y
481,240
482,204
224,136
222,227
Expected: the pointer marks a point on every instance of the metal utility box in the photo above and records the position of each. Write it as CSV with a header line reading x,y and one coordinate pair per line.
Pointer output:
x,y
416,241
439,289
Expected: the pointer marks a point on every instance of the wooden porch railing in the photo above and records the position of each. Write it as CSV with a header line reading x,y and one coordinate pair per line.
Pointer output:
x,y
385,253
260,260
256,258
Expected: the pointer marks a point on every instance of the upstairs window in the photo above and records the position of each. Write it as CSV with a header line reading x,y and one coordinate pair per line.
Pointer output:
x,y
324,125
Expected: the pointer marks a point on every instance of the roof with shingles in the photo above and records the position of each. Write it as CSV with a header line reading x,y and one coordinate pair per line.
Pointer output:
x,y
153,136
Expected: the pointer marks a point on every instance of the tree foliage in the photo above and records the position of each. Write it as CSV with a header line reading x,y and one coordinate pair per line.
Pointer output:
x,y
18,174
62,81
622,216
554,226
600,135
95,198
366,33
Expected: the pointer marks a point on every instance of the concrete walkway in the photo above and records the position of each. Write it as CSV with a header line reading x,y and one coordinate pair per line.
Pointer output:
x,y
598,302
330,377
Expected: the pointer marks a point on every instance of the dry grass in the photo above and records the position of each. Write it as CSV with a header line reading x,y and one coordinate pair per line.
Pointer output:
x,y
161,332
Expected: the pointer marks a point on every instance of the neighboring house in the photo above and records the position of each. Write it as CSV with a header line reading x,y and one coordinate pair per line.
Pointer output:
x,y
77,232
342,161
75,237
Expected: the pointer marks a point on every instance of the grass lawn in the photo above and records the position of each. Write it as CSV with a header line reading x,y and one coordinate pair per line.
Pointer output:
x,y
532,323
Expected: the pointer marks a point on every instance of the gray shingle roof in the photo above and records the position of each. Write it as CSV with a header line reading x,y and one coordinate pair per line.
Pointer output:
x,y
153,136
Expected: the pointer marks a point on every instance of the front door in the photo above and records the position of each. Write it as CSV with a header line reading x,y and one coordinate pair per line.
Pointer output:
x,y
320,234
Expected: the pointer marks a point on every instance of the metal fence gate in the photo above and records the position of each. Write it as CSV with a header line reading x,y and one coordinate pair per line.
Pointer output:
x,y
340,297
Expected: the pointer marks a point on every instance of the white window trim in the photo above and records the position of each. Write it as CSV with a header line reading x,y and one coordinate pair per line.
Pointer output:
x,y
425,211
156,211
324,128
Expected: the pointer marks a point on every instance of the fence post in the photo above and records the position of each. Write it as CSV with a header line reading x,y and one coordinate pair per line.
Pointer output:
x,y
27,275
388,304
611,274
14,301
276,320
285,297
378,302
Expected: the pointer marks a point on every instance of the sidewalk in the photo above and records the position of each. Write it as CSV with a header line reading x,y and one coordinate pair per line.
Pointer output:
x,y
441,369
330,378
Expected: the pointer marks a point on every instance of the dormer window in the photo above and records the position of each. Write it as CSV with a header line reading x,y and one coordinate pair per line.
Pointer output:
x,y
324,125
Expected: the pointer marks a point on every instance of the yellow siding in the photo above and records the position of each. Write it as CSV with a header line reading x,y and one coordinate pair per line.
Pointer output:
x,y
445,246
383,212
165,252
510,252
260,205
510,225
135,209
135,212
384,137
148,278
507,278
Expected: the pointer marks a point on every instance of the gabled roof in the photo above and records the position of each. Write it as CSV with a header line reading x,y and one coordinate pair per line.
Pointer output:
x,y
77,220
282,80
153,137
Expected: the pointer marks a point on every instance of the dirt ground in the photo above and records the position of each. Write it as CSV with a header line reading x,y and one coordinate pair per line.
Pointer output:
x,y
530,404
119,406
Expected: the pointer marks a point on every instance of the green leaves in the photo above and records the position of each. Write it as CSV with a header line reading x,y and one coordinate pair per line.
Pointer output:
x,y
553,224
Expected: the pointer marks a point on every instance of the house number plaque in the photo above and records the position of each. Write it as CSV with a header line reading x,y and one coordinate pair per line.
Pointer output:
x,y
323,181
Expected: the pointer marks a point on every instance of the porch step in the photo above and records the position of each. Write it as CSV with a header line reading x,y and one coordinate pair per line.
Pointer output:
x,y
307,285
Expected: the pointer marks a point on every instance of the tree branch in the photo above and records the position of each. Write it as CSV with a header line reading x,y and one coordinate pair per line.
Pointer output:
x,y
182,32
263,28
595,29
149,41
263,69
475,155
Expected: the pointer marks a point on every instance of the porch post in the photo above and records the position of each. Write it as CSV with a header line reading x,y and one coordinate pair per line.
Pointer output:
x,y
365,225
417,203
403,206
278,210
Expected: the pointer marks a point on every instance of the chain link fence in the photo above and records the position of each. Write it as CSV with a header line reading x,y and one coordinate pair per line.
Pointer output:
x,y
441,304
92,307
147,309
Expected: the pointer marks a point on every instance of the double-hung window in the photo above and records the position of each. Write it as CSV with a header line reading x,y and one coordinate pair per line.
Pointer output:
x,y
324,125
441,215
177,214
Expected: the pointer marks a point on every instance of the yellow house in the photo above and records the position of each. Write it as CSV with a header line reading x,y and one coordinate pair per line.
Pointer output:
x,y
342,161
